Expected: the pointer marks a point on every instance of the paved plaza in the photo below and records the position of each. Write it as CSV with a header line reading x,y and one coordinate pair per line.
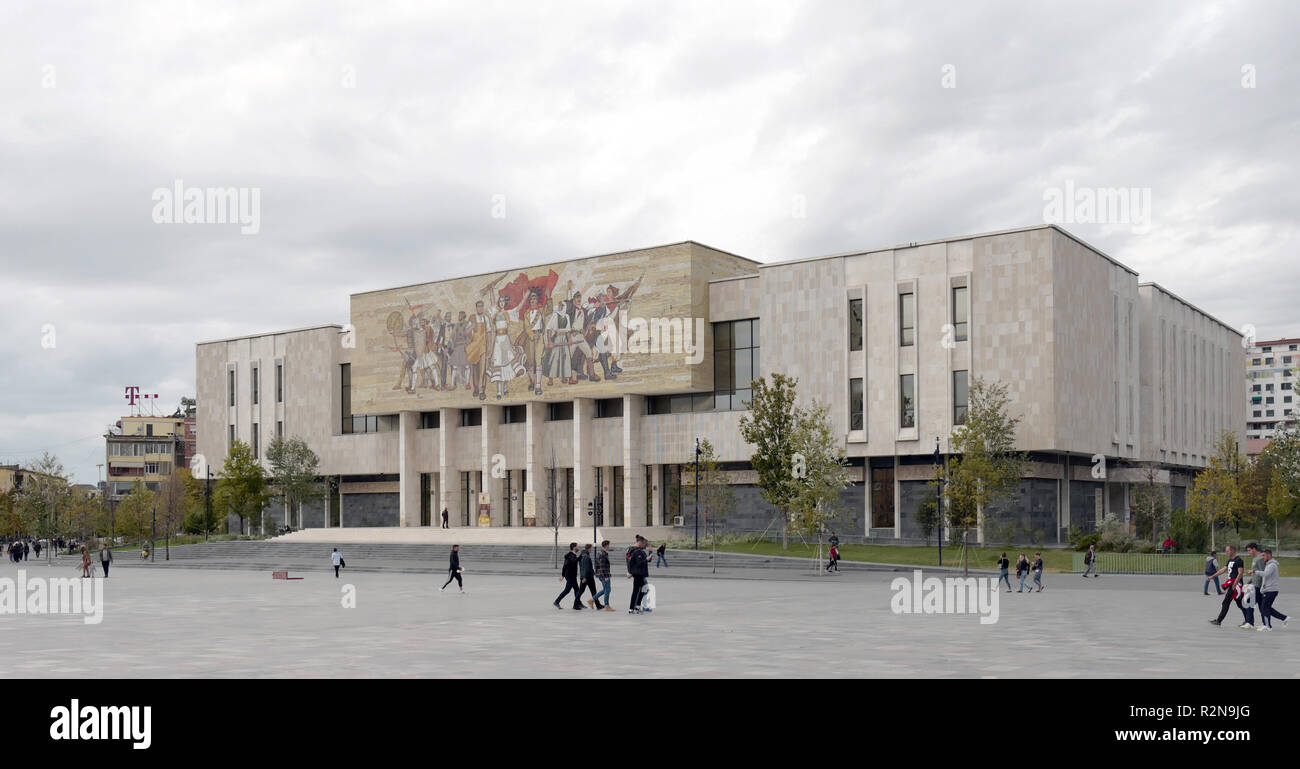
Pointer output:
x,y
223,623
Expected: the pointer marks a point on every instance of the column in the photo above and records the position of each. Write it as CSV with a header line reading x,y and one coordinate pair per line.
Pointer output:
x,y
657,495
584,475
493,471
633,471
408,483
448,470
536,458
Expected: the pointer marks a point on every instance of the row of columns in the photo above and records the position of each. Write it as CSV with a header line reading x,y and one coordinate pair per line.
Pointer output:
x,y
447,487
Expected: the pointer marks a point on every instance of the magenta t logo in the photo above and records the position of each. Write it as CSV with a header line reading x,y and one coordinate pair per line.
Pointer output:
x,y
132,394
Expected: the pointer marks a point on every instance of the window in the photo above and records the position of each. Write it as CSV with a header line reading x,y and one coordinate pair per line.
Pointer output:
x,y
907,400
513,415
279,429
1254,388
429,420
358,423
148,430
257,444
471,417
607,408
1286,358
906,319
735,367
855,404
279,383
961,313
230,387
232,436
960,396
679,404
1256,414
855,324
1268,361
1268,413
1255,362
559,412
255,372
345,395
150,468
1286,385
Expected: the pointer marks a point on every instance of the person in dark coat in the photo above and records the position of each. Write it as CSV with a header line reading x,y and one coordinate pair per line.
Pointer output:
x,y
455,570
586,570
569,573
638,570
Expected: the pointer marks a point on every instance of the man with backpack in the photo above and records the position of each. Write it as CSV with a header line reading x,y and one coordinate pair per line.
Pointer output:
x,y
1090,558
638,569
569,573
1212,569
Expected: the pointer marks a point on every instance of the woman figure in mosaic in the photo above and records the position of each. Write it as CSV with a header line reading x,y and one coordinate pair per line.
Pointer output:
x,y
507,360
556,359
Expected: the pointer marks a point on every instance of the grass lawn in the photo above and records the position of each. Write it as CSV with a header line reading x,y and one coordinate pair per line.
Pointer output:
x,y
1054,560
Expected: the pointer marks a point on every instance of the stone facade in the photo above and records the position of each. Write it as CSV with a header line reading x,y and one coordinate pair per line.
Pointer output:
x,y
1069,330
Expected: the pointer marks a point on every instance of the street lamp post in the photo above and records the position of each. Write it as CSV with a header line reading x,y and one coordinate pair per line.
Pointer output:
x,y
207,505
153,534
938,499
697,493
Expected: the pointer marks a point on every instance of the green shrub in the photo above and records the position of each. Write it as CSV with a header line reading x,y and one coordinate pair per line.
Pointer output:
x,y
1189,532
1084,542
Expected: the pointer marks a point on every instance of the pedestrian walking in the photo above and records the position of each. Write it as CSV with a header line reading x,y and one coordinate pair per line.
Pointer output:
x,y
638,569
1211,574
336,558
1271,585
1038,572
444,519
36,546
569,573
587,573
1004,571
1090,559
1022,572
661,561
602,574
455,570
105,558
85,561
1235,569
833,559
26,549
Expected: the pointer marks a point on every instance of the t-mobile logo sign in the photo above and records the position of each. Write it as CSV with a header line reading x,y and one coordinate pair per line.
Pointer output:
x,y
133,394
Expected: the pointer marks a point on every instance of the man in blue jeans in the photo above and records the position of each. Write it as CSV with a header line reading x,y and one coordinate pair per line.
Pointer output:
x,y
602,574
1271,586
1211,570
1038,572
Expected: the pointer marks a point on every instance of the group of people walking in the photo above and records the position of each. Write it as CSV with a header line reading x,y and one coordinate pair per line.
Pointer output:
x,y
581,570
1024,568
1251,589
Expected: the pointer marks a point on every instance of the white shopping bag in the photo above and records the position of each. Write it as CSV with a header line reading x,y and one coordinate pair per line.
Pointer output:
x,y
648,600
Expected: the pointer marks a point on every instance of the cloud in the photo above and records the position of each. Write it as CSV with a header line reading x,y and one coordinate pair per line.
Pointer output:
x,y
380,137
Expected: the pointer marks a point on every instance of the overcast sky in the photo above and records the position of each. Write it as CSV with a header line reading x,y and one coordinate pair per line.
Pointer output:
x,y
378,135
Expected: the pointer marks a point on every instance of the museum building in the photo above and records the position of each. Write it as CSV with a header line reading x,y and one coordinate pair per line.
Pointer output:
x,y
513,396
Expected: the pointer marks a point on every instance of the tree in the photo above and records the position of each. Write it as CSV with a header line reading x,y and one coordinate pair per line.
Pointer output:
x,y
986,465
1281,504
10,522
1216,493
717,498
242,490
816,502
1285,452
174,503
551,504
135,512
769,427
44,497
295,469
1150,503
927,516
